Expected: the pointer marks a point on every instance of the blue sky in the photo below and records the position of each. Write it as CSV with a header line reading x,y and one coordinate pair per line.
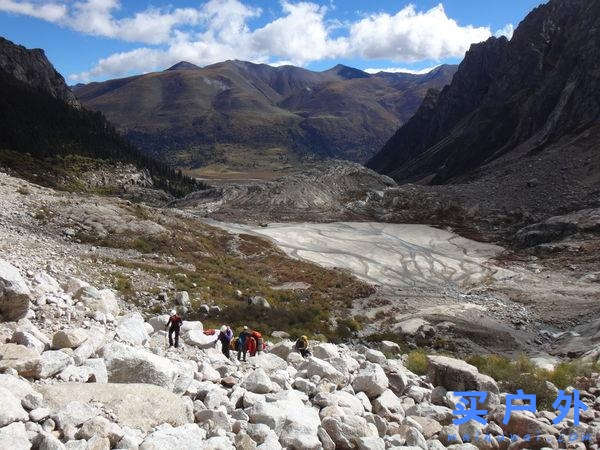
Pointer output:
x,y
99,39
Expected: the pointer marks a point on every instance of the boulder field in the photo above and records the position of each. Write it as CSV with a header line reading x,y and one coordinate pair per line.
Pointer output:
x,y
81,370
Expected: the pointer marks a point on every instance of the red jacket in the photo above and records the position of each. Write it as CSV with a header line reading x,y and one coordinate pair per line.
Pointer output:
x,y
175,322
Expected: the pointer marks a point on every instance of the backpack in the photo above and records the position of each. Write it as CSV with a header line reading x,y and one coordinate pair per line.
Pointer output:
x,y
256,335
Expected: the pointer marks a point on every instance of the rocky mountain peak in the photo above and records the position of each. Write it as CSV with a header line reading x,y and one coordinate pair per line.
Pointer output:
x,y
347,72
33,68
184,65
531,90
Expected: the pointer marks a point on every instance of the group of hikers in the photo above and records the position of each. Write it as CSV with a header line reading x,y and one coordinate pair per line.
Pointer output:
x,y
248,341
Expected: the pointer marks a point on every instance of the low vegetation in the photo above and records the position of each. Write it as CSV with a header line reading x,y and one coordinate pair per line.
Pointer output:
x,y
213,265
522,373
416,362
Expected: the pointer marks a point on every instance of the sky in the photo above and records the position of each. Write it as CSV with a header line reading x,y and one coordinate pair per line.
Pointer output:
x,y
95,40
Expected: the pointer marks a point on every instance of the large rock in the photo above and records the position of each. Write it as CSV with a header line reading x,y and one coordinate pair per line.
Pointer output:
x,y
188,325
300,430
11,409
47,441
159,323
346,430
213,417
457,375
315,366
282,349
258,382
71,338
24,360
127,364
189,437
269,362
142,406
295,424
197,338
559,227
521,424
72,414
325,351
45,283
259,301
90,346
410,327
104,301
28,340
51,363
182,299
100,426
131,329
387,403
14,293
371,380
16,386
14,437
345,399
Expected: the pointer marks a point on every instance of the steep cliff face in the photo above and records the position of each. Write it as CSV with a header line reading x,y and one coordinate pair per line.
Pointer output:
x,y
31,67
528,92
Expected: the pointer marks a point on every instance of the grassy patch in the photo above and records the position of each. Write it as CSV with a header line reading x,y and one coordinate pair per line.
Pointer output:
x,y
203,263
417,362
523,374
122,284
23,190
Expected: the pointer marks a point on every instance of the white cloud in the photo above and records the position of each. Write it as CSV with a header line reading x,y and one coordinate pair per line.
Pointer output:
x,y
51,12
401,70
220,29
410,35
299,36
507,31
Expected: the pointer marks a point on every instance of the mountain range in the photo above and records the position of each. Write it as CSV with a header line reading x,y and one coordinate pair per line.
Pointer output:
x,y
522,109
242,114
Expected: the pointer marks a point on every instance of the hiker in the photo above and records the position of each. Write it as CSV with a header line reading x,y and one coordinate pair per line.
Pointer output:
x,y
242,343
256,343
174,325
302,346
225,337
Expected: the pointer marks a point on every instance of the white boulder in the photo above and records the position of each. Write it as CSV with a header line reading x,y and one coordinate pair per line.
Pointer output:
x,y
52,362
14,293
127,364
131,329
189,437
11,409
258,382
69,338
371,380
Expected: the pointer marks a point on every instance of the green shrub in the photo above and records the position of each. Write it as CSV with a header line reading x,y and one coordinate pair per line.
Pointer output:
x,y
523,374
417,362
122,284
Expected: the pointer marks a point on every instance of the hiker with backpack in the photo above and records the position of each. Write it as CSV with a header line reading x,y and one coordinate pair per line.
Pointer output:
x,y
302,346
174,326
225,337
242,343
256,343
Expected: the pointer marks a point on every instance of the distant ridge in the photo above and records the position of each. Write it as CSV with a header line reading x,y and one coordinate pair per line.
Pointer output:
x,y
238,114
184,65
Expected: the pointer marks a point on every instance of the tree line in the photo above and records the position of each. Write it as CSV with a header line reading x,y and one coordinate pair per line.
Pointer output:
x,y
34,122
